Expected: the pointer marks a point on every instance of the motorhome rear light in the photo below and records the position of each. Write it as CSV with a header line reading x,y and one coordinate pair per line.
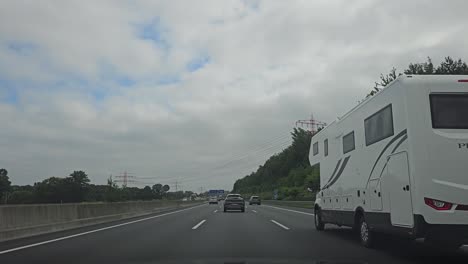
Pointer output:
x,y
464,80
438,205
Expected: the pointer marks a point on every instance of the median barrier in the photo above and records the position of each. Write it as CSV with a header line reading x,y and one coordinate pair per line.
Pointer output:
x,y
17,221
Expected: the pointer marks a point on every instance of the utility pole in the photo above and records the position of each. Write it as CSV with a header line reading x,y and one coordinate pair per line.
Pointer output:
x,y
311,124
176,185
125,178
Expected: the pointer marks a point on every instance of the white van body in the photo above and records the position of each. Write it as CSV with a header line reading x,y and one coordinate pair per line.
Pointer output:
x,y
400,159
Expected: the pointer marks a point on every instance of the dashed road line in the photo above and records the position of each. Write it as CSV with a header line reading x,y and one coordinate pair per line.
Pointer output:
x,y
199,224
254,211
281,225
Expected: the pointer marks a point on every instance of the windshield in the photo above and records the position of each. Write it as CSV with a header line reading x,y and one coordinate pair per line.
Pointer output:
x,y
449,111
233,131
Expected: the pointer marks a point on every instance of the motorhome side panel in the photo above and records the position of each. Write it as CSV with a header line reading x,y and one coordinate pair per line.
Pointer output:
x,y
353,174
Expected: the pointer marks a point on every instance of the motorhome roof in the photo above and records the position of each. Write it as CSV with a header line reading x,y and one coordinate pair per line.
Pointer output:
x,y
402,78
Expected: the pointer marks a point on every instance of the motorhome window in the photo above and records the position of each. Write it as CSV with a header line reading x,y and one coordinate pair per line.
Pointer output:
x,y
449,110
315,148
379,125
325,147
348,142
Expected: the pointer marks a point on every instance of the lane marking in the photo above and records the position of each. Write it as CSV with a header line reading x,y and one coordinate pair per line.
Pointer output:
x,y
93,231
254,211
283,226
199,224
299,212
215,211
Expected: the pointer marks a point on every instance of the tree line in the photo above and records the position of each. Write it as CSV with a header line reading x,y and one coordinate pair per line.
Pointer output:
x,y
448,66
77,188
289,173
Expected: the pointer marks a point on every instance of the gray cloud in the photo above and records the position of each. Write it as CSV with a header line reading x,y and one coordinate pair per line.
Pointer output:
x,y
95,93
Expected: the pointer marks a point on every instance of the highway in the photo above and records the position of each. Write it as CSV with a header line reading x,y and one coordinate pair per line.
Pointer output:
x,y
205,234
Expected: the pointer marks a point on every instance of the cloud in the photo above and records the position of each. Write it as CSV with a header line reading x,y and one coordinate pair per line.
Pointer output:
x,y
198,63
174,90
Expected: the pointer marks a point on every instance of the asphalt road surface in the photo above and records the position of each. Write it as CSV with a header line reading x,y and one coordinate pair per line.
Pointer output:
x,y
204,234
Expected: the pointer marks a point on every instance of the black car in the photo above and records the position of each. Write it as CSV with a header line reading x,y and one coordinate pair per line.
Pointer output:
x,y
255,200
234,202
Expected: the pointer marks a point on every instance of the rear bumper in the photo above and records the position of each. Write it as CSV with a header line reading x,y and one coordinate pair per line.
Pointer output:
x,y
234,206
443,232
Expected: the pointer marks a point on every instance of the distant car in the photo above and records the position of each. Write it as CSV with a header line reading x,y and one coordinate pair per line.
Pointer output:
x,y
213,200
234,202
255,200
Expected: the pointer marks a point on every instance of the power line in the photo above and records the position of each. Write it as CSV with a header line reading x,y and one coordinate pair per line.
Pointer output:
x,y
124,178
281,145
253,154
247,164
258,147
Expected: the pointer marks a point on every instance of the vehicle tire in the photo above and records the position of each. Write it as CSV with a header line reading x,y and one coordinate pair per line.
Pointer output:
x,y
225,210
250,203
243,210
366,236
319,225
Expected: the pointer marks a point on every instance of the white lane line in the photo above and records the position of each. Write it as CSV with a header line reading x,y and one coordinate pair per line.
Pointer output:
x,y
283,226
94,231
299,212
199,224
215,211
254,211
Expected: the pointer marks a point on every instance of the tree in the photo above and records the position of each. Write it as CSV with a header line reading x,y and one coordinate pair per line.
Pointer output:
x,y
286,170
5,184
157,190
165,188
21,197
51,190
77,184
146,193
384,81
448,66
80,178
112,191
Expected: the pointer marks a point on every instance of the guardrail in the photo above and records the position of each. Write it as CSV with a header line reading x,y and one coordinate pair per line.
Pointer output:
x,y
18,221
300,204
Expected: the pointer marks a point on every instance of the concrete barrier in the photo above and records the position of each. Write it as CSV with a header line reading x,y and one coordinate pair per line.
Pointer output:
x,y
18,221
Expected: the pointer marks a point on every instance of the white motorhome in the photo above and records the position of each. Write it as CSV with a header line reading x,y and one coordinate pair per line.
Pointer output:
x,y
398,163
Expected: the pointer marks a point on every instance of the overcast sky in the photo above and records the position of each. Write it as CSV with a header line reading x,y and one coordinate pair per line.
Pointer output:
x,y
201,92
